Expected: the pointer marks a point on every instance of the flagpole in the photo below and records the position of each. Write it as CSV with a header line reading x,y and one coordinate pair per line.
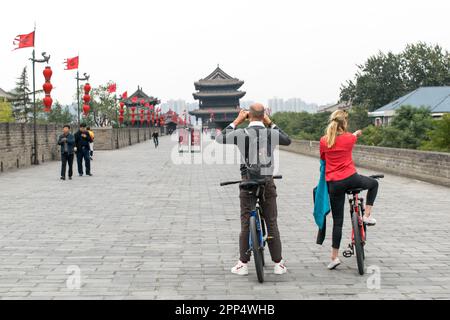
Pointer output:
x,y
35,160
117,120
35,151
78,96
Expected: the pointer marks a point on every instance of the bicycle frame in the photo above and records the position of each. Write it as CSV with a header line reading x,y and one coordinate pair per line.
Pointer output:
x,y
356,207
262,234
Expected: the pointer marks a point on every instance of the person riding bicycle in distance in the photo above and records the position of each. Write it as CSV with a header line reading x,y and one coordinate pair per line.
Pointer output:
x,y
256,144
340,173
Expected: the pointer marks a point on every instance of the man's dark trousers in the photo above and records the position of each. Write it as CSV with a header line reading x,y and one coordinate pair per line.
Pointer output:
x,y
270,213
83,154
66,159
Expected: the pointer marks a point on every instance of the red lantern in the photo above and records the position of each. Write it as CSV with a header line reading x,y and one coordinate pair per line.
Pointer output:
x,y
48,101
121,119
87,88
133,120
87,98
48,73
142,101
122,104
86,109
47,87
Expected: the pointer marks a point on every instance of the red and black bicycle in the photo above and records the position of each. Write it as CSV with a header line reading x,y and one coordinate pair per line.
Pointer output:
x,y
359,228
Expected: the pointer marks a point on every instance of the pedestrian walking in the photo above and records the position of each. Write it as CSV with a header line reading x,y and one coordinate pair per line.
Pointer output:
x,y
67,142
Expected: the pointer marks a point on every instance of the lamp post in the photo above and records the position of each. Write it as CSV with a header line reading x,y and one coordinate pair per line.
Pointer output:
x,y
33,59
85,78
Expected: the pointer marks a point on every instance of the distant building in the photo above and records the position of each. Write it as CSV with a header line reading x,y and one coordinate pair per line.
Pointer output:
x,y
437,99
6,96
290,105
218,95
334,107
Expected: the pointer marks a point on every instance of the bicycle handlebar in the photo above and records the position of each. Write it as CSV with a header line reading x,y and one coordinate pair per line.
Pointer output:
x,y
222,184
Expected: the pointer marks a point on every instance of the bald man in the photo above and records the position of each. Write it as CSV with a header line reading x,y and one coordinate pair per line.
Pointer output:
x,y
256,144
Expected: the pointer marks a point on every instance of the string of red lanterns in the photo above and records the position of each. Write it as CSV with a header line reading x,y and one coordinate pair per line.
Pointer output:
x,y
86,99
121,112
48,87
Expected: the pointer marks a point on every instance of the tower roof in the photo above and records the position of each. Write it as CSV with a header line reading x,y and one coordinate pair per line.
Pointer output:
x,y
218,78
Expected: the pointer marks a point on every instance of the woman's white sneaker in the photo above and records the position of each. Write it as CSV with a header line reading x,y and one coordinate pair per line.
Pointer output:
x,y
369,221
334,264
241,269
280,268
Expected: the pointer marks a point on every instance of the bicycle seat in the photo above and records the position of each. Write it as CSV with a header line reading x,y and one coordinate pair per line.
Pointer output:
x,y
354,191
250,184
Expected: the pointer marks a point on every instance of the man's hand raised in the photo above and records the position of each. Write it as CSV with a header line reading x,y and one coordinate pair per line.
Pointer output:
x,y
267,121
240,118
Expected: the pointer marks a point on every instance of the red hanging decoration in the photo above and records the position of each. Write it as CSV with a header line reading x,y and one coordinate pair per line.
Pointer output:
x,y
48,73
142,116
133,120
48,101
86,98
87,88
47,87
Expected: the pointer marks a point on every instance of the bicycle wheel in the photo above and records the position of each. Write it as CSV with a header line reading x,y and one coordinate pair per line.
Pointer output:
x,y
257,251
359,248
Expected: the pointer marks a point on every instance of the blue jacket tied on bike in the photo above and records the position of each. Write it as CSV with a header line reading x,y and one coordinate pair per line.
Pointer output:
x,y
321,199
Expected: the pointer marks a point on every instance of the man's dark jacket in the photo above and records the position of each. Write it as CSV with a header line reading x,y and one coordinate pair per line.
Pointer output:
x,y
81,142
68,145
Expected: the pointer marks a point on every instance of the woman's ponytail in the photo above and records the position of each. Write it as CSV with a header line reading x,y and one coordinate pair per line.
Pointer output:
x,y
337,122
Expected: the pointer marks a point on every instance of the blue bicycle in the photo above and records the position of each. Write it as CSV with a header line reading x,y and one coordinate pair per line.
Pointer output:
x,y
258,229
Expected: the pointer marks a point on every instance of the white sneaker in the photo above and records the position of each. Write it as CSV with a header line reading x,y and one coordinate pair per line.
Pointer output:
x,y
241,269
334,264
280,268
369,221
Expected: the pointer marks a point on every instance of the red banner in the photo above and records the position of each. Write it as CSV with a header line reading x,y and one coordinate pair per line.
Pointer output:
x,y
72,63
24,41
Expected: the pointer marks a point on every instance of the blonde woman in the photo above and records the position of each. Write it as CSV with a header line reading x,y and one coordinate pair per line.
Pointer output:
x,y
336,149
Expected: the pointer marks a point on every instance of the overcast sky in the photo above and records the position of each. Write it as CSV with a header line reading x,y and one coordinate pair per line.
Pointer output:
x,y
281,48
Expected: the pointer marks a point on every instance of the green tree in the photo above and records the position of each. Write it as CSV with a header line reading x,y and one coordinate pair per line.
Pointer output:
x,y
22,104
387,76
378,82
407,130
439,136
103,108
6,114
60,114
359,118
425,65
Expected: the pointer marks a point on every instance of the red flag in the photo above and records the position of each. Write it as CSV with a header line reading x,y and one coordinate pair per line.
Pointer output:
x,y
125,95
72,63
24,41
112,88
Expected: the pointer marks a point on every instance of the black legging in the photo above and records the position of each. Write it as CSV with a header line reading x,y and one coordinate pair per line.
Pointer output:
x,y
337,191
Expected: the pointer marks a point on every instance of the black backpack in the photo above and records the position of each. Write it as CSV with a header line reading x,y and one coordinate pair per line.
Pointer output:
x,y
258,153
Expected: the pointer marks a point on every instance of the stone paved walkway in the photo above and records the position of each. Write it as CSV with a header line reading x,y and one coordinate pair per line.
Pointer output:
x,y
146,228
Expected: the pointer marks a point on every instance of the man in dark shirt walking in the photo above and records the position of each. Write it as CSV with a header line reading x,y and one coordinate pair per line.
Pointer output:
x,y
82,140
155,137
67,143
